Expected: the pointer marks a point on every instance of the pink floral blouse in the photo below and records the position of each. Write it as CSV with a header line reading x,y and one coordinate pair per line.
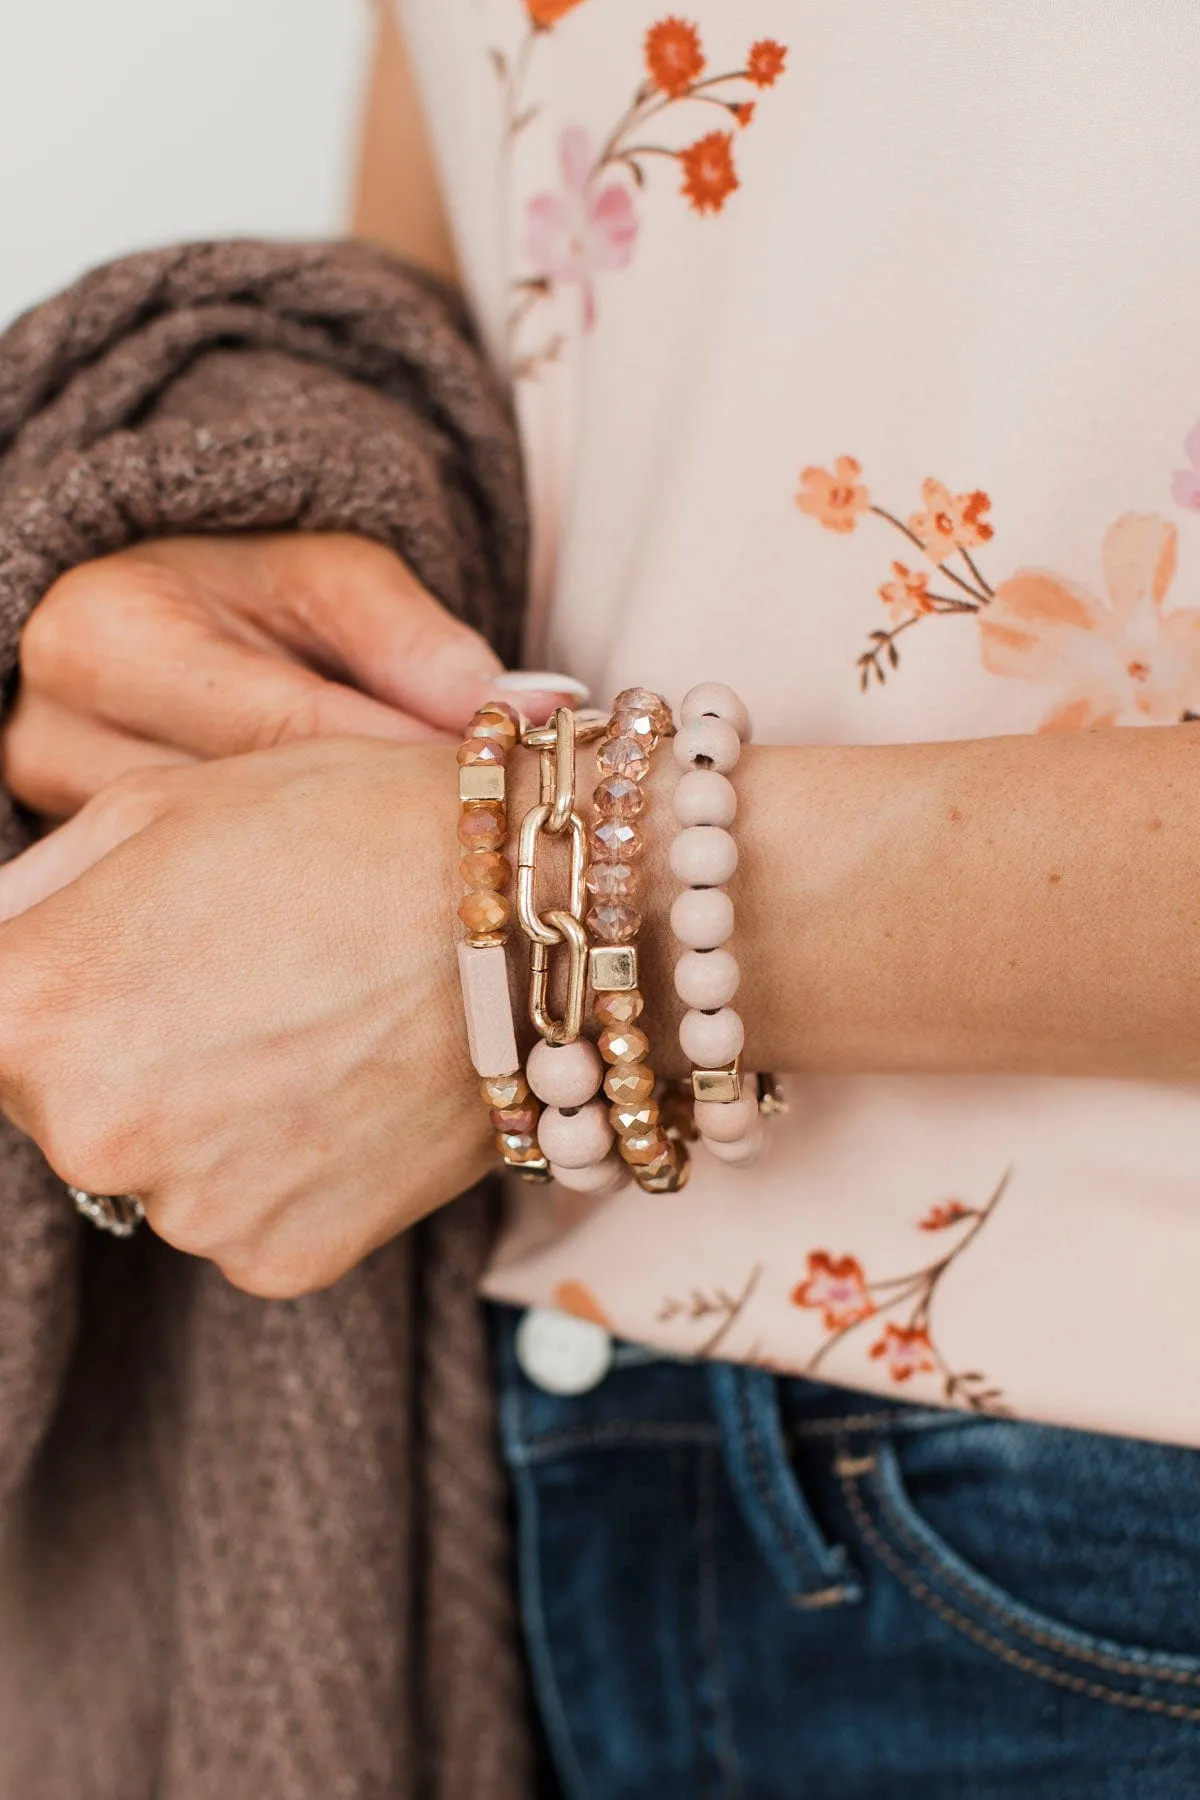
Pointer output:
x,y
874,329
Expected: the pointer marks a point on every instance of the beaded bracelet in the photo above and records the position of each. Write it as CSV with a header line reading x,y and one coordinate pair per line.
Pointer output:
x,y
564,1068
487,916
713,725
658,1161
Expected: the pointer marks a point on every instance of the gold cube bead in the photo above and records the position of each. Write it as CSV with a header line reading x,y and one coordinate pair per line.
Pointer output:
x,y
721,1085
612,968
481,781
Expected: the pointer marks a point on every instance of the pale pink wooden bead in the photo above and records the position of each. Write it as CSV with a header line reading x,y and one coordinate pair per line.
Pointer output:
x,y
574,1139
710,1040
707,979
714,697
703,855
711,739
594,1178
702,918
724,1121
742,1151
565,1074
487,1005
704,797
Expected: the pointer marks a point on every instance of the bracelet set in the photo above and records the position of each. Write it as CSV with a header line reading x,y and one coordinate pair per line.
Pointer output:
x,y
587,1108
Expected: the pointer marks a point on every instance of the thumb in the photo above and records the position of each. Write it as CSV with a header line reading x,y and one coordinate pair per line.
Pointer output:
x,y
357,602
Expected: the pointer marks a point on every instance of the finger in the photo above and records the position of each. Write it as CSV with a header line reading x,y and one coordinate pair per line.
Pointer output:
x,y
167,672
346,599
131,803
54,760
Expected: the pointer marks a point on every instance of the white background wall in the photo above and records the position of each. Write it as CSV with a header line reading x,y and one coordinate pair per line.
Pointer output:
x,y
126,123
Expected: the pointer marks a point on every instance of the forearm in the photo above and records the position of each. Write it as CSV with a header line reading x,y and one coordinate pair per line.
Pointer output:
x,y
1006,905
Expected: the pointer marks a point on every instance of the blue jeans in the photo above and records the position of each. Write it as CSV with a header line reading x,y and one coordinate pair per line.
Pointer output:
x,y
734,1585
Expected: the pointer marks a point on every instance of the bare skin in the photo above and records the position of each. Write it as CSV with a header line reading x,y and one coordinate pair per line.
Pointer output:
x,y
245,1011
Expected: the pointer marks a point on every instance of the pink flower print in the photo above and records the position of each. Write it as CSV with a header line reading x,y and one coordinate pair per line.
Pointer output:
x,y
907,1350
1124,662
582,231
1185,486
837,1287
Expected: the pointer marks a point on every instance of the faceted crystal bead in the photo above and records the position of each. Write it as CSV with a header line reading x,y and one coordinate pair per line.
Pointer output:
x,y
484,911
482,752
619,1009
662,1173
623,1043
634,1118
623,756
617,797
671,1177
612,880
645,1146
615,840
628,1084
514,1145
485,869
637,726
645,700
515,1118
497,721
504,1090
614,921
482,827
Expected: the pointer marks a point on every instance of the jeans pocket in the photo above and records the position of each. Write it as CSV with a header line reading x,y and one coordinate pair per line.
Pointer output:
x,y
812,1572
1071,1558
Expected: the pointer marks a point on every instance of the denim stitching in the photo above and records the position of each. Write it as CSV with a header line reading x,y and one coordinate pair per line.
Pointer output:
x,y
762,1483
918,1419
987,1640
540,1448
1147,1667
710,1630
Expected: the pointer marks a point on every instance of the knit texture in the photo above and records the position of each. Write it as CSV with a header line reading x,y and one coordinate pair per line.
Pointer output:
x,y
252,1550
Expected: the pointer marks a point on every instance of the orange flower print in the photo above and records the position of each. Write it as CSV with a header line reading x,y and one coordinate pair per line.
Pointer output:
x,y
1124,661
545,13
765,63
836,1285
743,111
836,499
577,1298
674,58
950,522
907,1349
709,176
908,595
950,1212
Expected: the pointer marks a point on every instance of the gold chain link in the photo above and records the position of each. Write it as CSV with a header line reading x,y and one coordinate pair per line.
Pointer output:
x,y
554,814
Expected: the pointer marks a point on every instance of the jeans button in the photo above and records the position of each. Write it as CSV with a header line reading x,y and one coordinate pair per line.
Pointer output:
x,y
561,1354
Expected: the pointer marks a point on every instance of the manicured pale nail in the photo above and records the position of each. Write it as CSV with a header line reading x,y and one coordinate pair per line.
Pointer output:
x,y
539,681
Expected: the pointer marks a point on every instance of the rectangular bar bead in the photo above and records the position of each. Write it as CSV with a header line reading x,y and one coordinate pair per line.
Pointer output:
x,y
717,1084
483,972
613,968
481,781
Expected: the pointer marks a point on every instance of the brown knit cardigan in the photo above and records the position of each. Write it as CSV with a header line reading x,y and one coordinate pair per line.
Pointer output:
x,y
250,1550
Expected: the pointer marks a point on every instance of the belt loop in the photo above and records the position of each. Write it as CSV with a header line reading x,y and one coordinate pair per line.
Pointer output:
x,y
812,1572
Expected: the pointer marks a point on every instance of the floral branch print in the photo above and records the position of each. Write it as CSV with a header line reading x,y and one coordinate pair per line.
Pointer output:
x,y
1124,660
946,526
837,1288
718,1311
589,225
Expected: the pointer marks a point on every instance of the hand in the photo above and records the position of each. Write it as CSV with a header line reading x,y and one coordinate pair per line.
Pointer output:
x,y
206,647
247,1012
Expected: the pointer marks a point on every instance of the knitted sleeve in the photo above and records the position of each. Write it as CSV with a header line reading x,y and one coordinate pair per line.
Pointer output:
x,y
149,1415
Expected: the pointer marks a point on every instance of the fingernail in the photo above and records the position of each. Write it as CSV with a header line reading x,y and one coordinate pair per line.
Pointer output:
x,y
539,681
